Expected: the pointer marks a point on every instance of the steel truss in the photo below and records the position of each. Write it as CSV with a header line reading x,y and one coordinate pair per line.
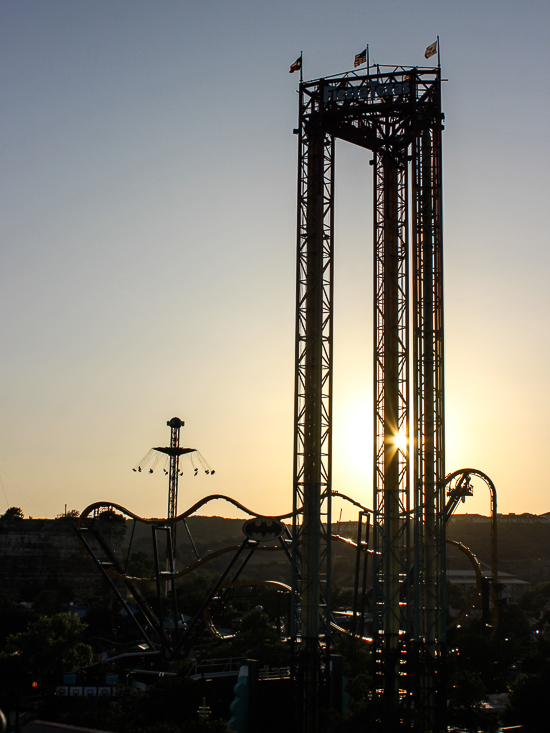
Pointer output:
x,y
397,115
174,451
313,401
429,439
391,427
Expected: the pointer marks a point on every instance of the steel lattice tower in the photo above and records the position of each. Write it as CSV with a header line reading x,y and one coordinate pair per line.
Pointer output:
x,y
174,451
313,399
396,115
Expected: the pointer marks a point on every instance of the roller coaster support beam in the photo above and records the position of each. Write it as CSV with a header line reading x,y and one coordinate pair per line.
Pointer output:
x,y
113,563
196,625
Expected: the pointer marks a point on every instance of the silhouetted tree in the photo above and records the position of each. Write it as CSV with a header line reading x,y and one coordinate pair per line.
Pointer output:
x,y
48,602
528,702
14,618
258,639
14,512
140,565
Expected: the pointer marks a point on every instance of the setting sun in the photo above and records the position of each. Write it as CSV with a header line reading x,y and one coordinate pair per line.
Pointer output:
x,y
401,441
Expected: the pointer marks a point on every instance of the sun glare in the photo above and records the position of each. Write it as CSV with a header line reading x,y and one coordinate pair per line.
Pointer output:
x,y
401,441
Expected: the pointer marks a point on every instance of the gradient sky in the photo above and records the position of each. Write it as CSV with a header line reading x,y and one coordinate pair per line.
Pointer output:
x,y
148,244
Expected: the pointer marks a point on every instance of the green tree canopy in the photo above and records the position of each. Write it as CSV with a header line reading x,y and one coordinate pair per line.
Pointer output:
x,y
50,646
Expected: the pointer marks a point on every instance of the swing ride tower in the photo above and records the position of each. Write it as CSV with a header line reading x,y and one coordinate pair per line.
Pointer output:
x,y
174,451
396,114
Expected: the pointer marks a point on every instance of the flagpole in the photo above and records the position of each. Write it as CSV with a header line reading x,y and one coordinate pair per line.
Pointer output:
x,y
438,54
368,62
301,67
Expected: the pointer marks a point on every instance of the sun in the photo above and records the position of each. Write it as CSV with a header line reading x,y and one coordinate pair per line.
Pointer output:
x,y
401,441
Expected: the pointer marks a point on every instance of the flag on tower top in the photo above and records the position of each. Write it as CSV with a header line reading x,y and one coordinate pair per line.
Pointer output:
x,y
360,58
296,66
431,50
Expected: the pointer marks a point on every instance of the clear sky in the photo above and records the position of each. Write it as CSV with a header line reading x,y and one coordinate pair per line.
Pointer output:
x,y
148,244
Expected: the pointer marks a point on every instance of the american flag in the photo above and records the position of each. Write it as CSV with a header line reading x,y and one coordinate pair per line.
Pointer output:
x,y
360,59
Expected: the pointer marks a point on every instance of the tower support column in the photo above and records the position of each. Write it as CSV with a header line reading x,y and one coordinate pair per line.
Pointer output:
x,y
310,622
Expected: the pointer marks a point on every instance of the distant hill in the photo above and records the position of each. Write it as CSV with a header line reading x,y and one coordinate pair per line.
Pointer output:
x,y
523,543
523,546
41,553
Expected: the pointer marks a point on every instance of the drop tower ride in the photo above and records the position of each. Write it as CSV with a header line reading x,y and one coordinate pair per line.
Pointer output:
x,y
396,114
